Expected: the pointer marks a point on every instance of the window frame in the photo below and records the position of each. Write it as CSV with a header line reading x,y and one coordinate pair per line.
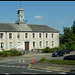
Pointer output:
x,y
39,35
10,45
52,35
40,44
26,35
18,35
46,35
33,44
47,43
2,45
33,35
1,35
10,35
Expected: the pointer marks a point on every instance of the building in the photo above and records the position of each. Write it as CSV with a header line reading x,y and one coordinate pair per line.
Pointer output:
x,y
25,36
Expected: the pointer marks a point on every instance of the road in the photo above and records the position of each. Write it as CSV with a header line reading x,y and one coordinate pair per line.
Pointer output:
x,y
11,65
23,69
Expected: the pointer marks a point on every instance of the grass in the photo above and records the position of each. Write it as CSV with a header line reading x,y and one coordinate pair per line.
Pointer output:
x,y
55,61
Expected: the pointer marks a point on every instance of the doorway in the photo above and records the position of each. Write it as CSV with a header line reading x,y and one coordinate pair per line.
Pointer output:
x,y
26,45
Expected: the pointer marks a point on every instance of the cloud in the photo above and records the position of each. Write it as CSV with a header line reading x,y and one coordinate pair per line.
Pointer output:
x,y
64,23
38,17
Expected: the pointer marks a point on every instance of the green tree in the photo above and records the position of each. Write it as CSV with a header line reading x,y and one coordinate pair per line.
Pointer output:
x,y
69,36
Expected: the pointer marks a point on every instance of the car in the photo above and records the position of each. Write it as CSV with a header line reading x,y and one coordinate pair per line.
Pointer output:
x,y
58,53
69,57
65,51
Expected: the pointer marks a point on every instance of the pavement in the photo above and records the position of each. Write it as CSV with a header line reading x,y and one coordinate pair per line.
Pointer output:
x,y
54,67
46,66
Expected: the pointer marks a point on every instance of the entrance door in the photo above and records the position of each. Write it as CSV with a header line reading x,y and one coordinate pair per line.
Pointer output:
x,y
26,45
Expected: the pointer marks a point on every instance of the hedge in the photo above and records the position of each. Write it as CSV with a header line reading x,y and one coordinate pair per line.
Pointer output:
x,y
55,61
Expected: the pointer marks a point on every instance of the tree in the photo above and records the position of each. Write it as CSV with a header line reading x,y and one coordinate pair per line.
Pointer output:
x,y
73,29
69,36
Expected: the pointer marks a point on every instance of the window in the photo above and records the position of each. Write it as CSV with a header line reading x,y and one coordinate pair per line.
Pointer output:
x,y
52,43
33,35
1,35
46,35
33,44
40,44
52,35
18,35
39,35
10,35
2,44
46,43
26,35
10,45
18,45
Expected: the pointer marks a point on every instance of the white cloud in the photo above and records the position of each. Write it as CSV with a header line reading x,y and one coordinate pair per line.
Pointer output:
x,y
64,23
38,17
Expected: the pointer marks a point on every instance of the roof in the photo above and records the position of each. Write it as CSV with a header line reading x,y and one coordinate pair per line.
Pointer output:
x,y
12,27
20,9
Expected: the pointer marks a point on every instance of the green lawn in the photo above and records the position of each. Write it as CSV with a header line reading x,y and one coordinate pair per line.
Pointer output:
x,y
54,61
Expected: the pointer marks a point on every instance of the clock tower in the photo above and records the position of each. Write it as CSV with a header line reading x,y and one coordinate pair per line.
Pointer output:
x,y
20,13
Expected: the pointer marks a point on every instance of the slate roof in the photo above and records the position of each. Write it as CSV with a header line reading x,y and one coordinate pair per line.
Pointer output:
x,y
12,27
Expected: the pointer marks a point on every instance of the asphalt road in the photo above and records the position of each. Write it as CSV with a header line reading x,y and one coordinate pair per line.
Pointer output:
x,y
23,69
11,65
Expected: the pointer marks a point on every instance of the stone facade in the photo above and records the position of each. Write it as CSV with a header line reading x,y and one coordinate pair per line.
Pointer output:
x,y
19,38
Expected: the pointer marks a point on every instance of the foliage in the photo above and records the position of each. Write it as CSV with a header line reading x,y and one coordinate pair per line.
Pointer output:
x,y
55,61
5,54
69,37
50,50
72,47
43,60
15,52
11,52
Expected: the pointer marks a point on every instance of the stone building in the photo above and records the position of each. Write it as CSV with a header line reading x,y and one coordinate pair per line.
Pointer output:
x,y
25,36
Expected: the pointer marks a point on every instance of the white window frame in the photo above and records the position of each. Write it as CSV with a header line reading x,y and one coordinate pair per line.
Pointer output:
x,y
52,35
18,35
33,44
1,35
52,43
10,45
33,35
47,43
40,35
10,36
40,44
26,35
46,35
18,45
2,45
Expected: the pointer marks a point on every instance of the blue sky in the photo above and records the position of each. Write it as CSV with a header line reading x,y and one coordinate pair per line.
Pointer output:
x,y
55,14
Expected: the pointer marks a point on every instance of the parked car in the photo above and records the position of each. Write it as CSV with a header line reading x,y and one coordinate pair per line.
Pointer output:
x,y
69,57
58,53
65,51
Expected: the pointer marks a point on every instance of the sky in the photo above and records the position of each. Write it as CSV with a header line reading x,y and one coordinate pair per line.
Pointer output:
x,y
55,14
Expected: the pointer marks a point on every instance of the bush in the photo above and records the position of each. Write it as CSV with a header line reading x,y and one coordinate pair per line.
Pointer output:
x,y
4,54
15,52
55,61
50,50
72,47
43,60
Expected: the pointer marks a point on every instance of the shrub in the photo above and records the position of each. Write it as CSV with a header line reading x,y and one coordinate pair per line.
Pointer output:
x,y
43,60
4,54
72,47
55,61
15,52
